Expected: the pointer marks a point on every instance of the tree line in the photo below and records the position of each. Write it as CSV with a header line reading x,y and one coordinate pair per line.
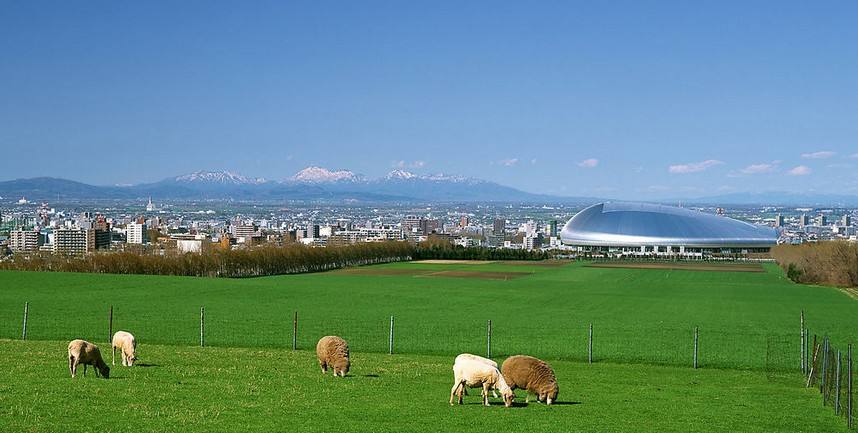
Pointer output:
x,y
260,261
833,263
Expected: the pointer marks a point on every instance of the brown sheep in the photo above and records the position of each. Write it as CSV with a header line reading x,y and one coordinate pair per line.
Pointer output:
x,y
86,353
333,351
533,375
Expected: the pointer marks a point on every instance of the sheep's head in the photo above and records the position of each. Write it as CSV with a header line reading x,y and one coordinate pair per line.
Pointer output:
x,y
341,366
131,359
550,395
104,370
508,396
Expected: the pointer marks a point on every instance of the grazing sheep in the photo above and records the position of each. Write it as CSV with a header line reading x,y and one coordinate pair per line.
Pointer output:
x,y
483,360
471,372
127,345
86,353
533,375
333,351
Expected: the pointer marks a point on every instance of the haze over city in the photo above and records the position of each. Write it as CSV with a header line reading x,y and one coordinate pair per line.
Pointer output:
x,y
624,101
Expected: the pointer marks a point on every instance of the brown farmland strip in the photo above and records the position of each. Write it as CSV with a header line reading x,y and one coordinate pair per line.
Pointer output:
x,y
736,267
382,271
479,275
453,262
546,263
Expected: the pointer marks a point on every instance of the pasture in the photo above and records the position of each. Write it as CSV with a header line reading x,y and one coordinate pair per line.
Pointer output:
x,y
208,389
640,380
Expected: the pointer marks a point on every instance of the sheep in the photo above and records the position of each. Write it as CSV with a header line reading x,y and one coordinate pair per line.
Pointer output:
x,y
533,375
483,360
471,372
86,353
333,351
127,345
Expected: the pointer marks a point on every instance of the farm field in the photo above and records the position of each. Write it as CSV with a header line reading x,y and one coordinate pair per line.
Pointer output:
x,y
193,389
747,320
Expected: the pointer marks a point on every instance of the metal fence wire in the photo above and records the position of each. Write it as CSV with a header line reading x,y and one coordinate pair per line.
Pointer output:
x,y
831,371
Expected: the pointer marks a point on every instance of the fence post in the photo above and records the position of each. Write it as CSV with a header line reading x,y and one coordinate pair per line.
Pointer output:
x,y
695,345
837,386
849,387
590,345
824,370
110,325
489,339
295,332
26,314
390,338
202,326
802,342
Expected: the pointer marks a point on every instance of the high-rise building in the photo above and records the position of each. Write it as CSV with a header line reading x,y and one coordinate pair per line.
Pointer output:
x,y
846,221
821,220
23,241
135,233
74,241
804,220
779,220
464,221
411,226
428,226
552,228
499,226
150,207
313,231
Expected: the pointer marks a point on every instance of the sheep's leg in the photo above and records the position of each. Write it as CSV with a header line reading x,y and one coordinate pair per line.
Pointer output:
x,y
72,366
324,367
84,369
494,393
485,394
455,391
113,356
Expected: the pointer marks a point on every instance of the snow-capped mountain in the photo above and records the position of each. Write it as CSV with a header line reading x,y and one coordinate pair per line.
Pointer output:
x,y
311,183
221,177
323,175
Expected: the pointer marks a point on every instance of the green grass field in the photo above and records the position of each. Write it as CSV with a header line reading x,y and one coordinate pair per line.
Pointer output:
x,y
196,389
251,381
746,320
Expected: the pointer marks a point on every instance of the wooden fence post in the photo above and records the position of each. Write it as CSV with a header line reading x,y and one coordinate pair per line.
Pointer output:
x,y
489,339
390,338
696,339
837,386
590,345
202,326
110,325
824,370
801,358
849,386
26,315
295,332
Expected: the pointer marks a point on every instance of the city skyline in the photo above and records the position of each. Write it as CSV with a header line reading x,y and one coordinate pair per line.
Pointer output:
x,y
638,102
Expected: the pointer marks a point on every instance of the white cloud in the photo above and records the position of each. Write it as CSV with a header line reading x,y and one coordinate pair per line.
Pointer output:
x,y
508,162
818,155
801,170
854,156
533,161
406,164
694,167
589,163
761,168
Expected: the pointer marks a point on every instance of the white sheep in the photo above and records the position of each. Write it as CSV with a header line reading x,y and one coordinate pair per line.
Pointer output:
x,y
127,345
483,360
86,353
473,373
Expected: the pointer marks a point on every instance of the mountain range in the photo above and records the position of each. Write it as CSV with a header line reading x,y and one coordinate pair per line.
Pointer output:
x,y
311,183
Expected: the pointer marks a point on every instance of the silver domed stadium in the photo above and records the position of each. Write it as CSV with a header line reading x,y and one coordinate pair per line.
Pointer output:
x,y
626,228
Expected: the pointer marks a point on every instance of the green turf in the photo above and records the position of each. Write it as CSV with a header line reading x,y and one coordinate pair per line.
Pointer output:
x,y
746,320
191,389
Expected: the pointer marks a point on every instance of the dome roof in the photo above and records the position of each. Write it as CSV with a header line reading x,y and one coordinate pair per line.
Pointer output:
x,y
632,224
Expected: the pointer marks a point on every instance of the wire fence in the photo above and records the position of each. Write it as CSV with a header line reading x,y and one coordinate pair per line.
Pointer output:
x,y
187,325
831,370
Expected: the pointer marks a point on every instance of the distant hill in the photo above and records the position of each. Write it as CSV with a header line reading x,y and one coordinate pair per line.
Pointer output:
x,y
778,198
312,183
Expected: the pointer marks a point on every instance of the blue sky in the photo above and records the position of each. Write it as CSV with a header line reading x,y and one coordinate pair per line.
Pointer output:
x,y
616,99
